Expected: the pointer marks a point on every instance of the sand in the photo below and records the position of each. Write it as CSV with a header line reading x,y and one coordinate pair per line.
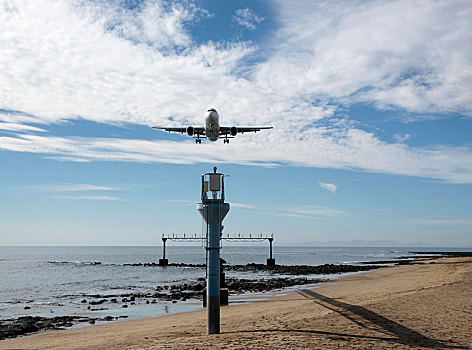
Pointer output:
x,y
428,305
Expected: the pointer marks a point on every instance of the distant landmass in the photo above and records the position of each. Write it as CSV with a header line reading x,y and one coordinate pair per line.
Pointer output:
x,y
360,243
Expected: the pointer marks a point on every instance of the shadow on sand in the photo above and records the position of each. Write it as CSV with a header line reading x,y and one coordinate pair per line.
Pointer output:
x,y
393,331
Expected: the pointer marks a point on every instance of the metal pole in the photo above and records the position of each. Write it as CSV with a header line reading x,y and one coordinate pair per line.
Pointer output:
x,y
163,261
164,247
213,210
213,264
270,261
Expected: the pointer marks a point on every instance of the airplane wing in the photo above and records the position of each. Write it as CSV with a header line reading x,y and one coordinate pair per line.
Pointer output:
x,y
196,130
227,130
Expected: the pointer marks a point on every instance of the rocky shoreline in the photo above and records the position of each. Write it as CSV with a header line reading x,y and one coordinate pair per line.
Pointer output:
x,y
11,328
325,269
193,290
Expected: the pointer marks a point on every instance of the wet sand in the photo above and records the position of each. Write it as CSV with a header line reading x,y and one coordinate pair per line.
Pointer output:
x,y
427,305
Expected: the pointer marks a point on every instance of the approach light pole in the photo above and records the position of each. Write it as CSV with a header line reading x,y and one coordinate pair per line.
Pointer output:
x,y
213,209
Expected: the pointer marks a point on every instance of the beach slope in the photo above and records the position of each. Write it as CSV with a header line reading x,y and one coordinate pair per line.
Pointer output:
x,y
426,305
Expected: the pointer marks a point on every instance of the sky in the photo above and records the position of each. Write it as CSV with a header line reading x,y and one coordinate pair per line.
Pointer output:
x,y
370,102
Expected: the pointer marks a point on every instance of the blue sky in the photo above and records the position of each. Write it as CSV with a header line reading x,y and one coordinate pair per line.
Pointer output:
x,y
370,103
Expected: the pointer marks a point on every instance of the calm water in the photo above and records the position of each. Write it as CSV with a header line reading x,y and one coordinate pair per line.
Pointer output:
x,y
53,280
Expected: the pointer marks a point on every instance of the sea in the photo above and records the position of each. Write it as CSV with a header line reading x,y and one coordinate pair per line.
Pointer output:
x,y
53,281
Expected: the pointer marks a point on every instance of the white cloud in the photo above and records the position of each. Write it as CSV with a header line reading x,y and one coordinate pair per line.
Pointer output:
x,y
100,62
356,149
68,187
410,54
158,24
244,206
19,127
327,186
312,211
247,18
65,63
401,138
185,202
441,222
90,198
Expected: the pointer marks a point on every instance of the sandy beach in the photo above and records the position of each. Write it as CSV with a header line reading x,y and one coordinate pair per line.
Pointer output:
x,y
426,305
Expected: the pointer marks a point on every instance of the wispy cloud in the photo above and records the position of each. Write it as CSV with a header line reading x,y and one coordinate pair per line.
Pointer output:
x,y
327,186
90,198
356,150
185,202
441,222
68,187
401,138
19,127
311,212
247,18
244,206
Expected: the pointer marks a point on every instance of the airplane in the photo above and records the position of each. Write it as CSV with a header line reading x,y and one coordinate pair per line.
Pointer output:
x,y
212,129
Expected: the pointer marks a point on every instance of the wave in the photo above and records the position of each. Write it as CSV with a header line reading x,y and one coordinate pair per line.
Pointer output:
x,y
81,263
99,263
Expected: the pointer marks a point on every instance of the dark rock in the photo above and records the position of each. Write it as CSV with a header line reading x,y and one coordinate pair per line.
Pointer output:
x,y
303,269
22,325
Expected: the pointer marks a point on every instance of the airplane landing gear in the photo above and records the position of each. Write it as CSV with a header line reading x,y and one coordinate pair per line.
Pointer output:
x,y
225,140
198,140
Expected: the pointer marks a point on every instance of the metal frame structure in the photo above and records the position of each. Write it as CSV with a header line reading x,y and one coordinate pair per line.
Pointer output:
x,y
241,238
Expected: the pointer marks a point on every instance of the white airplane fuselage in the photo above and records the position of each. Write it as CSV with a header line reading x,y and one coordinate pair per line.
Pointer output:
x,y
212,125
212,129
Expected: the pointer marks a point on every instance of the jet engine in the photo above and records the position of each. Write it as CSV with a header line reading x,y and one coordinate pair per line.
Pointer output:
x,y
190,131
234,131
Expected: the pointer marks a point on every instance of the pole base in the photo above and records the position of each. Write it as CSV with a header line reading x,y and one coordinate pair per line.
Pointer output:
x,y
224,298
222,280
163,262
213,314
270,262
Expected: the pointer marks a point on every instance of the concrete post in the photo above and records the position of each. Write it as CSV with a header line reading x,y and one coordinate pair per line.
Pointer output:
x,y
270,261
163,261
